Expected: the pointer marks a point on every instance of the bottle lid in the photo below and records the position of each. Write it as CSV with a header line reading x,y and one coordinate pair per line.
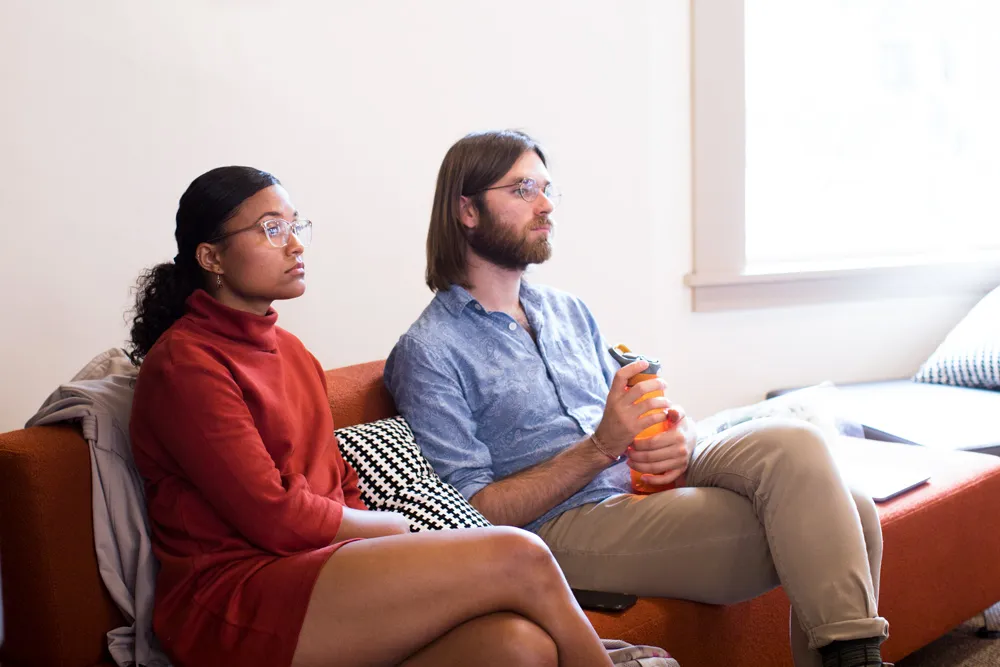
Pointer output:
x,y
625,356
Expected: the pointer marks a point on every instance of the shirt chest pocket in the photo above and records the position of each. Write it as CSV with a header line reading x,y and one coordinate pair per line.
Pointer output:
x,y
577,373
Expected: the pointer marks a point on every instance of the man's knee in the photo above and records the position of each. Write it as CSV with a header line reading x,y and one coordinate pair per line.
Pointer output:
x,y
795,443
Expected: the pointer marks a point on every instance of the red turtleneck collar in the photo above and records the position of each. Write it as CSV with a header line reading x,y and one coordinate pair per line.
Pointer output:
x,y
208,313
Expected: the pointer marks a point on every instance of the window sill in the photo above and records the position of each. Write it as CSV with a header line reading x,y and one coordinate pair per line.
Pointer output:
x,y
806,285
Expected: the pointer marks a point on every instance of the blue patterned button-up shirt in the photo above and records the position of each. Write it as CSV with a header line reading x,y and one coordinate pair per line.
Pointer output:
x,y
485,401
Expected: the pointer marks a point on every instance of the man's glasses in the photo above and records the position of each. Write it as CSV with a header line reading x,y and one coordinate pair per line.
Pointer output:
x,y
277,231
529,189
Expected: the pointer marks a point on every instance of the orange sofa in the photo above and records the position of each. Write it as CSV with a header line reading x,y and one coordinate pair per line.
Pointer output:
x,y
940,564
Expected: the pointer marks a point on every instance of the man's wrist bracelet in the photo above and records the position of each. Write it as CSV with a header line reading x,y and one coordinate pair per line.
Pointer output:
x,y
603,449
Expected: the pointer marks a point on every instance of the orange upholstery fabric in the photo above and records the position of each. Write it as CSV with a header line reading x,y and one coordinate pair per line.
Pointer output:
x,y
358,395
939,566
942,541
56,608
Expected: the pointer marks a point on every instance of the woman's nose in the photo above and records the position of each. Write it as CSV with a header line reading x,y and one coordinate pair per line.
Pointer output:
x,y
294,246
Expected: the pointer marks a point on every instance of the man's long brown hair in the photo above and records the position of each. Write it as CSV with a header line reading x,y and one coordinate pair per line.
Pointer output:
x,y
474,162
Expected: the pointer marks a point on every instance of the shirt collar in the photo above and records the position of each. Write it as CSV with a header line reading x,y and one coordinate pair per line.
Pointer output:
x,y
530,294
456,297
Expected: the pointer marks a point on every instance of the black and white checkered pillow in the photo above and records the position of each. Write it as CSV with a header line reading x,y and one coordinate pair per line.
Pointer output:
x,y
970,354
394,476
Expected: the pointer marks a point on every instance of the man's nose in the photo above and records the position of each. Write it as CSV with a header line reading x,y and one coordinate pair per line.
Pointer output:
x,y
543,205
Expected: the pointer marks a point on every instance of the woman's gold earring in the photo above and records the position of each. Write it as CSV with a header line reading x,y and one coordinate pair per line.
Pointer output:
x,y
218,279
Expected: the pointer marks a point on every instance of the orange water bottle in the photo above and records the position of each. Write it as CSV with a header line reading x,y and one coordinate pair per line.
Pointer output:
x,y
624,357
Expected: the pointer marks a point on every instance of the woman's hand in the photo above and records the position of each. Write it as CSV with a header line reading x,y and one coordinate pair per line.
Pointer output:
x,y
365,523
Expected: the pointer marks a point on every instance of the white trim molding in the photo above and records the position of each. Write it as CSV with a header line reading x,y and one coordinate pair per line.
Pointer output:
x,y
801,286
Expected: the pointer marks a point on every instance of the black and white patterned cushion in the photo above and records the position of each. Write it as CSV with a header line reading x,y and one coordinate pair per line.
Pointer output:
x,y
970,354
394,476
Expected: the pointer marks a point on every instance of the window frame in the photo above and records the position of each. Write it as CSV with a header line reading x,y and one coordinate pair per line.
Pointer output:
x,y
720,278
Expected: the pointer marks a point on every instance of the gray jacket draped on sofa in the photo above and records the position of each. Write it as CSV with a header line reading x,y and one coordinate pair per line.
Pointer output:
x,y
99,400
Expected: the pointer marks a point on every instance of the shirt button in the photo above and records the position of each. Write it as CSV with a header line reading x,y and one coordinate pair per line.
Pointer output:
x,y
512,326
478,307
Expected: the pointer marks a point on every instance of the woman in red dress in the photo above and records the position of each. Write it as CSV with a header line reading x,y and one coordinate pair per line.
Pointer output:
x,y
267,555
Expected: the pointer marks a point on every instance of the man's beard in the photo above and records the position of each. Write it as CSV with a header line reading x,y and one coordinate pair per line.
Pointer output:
x,y
507,248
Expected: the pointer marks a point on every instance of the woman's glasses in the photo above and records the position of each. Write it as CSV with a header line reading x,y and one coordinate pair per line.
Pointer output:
x,y
277,231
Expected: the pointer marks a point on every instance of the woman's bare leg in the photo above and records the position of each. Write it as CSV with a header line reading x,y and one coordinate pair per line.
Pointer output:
x,y
380,601
501,639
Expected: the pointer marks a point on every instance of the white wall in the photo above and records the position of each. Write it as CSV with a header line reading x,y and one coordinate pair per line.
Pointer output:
x,y
110,108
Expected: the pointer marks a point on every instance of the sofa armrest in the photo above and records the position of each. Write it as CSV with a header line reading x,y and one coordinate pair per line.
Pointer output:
x,y
56,608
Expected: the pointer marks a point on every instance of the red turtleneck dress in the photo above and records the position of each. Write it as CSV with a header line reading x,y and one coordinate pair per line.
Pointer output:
x,y
245,485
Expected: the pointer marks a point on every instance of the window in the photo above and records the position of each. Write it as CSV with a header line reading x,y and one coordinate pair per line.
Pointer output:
x,y
849,146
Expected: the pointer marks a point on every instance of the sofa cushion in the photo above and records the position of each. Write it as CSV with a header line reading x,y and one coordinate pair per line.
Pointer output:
x,y
970,354
932,415
394,476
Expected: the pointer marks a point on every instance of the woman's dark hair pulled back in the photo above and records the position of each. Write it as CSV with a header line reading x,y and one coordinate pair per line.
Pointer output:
x,y
206,205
